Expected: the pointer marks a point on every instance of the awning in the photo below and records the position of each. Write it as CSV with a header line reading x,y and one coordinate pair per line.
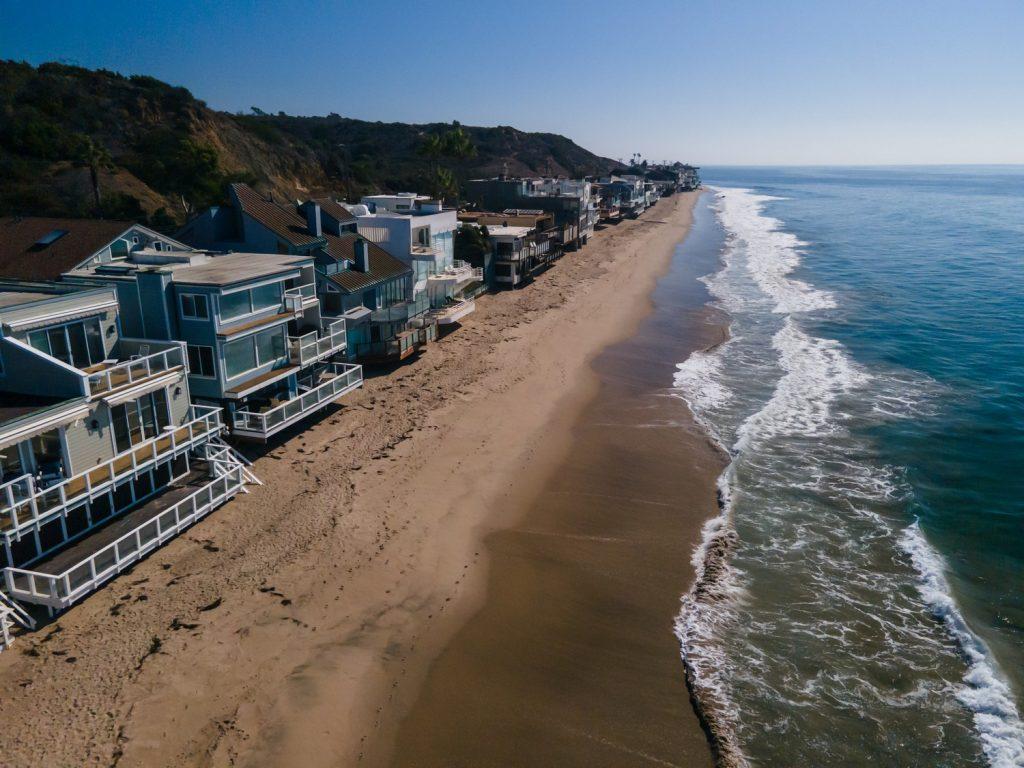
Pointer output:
x,y
127,394
71,313
42,421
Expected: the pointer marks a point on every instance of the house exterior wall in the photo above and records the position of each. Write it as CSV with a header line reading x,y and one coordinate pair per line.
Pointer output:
x,y
88,445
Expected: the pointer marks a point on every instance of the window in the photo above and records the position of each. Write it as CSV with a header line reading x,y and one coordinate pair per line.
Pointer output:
x,y
269,346
79,344
253,351
266,296
234,305
244,302
194,305
200,361
239,356
140,420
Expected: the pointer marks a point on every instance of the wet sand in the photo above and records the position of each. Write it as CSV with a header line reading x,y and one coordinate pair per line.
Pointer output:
x,y
572,660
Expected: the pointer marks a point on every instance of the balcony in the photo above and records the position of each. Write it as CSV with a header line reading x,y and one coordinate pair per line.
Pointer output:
x,y
453,311
58,581
334,381
401,312
459,274
142,363
312,347
300,298
26,506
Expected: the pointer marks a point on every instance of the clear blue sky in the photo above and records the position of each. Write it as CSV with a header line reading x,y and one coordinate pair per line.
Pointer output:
x,y
710,82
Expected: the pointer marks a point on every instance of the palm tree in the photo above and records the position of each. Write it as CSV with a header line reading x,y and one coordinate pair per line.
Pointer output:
x,y
94,157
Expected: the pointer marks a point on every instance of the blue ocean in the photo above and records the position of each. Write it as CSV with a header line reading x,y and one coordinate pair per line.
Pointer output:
x,y
861,597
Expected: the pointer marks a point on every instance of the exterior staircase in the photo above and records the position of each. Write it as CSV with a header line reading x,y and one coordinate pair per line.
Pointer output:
x,y
11,615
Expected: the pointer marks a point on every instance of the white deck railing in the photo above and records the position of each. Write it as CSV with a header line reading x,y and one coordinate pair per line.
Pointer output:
x,y
453,312
310,347
295,299
24,505
344,377
63,589
136,369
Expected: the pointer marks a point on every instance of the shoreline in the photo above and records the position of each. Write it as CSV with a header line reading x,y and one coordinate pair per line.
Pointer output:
x,y
303,623
572,660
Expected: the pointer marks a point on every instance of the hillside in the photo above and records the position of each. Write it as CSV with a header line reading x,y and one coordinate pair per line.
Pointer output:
x,y
155,152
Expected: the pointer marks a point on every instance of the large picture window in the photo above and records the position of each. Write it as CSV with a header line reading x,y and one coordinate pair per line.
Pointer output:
x,y
79,344
253,351
245,302
234,305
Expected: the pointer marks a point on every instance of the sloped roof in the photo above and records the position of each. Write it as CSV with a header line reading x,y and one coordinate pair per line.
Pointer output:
x,y
383,266
22,256
283,220
334,209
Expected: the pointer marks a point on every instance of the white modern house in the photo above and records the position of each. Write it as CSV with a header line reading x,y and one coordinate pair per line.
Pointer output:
x,y
420,232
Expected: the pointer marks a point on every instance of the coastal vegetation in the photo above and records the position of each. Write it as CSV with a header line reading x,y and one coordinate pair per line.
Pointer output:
x,y
82,142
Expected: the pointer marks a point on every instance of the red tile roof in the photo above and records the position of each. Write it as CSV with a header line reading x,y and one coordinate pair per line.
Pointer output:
x,y
22,258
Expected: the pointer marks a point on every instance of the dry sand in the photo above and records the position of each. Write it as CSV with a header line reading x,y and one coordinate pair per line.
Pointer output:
x,y
298,624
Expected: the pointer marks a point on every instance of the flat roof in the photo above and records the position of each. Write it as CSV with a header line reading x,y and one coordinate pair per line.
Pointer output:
x,y
509,231
14,298
235,268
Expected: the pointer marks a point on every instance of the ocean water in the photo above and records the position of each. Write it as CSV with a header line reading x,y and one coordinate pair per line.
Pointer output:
x,y
860,599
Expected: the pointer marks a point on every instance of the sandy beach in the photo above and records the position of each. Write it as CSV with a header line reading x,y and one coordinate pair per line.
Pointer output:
x,y
353,610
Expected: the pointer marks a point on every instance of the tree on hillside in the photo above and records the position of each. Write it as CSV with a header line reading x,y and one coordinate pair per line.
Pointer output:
x,y
95,157
454,144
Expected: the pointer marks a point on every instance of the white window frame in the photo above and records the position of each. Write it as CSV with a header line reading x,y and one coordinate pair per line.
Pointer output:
x,y
181,304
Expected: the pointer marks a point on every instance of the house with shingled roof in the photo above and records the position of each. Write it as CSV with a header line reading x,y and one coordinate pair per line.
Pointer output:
x,y
371,289
44,248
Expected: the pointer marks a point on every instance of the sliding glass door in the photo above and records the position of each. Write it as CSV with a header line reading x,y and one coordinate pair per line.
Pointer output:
x,y
79,344
139,420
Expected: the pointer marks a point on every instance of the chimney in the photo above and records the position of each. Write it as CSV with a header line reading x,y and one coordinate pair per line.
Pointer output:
x,y
362,256
313,223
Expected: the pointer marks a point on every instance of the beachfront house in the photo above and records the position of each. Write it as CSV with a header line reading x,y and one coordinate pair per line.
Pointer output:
x,y
384,317
522,243
42,248
571,202
103,456
257,342
629,190
420,232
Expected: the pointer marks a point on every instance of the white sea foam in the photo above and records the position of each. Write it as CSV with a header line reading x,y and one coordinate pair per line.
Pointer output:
x,y
985,692
817,371
772,254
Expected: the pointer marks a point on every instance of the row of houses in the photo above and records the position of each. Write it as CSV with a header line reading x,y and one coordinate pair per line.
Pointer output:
x,y
131,363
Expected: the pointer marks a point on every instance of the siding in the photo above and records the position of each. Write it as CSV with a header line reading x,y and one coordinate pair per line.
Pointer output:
x,y
178,403
88,446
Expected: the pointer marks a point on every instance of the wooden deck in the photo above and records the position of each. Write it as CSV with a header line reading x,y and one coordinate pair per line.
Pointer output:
x,y
81,550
